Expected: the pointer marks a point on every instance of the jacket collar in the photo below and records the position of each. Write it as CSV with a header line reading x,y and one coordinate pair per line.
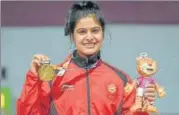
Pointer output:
x,y
89,62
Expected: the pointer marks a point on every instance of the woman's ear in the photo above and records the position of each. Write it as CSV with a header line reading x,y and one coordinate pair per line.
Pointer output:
x,y
72,42
71,38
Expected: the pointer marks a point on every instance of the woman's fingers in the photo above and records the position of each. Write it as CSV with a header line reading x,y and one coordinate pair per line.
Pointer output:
x,y
38,59
36,62
41,58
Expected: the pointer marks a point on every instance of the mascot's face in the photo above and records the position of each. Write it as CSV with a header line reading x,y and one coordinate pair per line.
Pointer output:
x,y
146,66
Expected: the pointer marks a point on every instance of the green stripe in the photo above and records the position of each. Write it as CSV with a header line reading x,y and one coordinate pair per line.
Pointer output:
x,y
7,100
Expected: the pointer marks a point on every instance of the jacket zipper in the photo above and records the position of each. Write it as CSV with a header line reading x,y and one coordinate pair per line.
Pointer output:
x,y
53,110
88,89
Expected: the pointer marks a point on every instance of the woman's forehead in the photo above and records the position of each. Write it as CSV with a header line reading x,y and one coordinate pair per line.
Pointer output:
x,y
87,22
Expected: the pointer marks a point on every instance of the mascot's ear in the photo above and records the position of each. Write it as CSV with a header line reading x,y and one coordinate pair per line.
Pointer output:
x,y
138,58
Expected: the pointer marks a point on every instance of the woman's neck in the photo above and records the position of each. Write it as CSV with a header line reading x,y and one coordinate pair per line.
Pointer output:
x,y
82,60
84,56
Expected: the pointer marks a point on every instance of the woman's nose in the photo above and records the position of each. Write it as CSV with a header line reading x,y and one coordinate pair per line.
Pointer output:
x,y
90,36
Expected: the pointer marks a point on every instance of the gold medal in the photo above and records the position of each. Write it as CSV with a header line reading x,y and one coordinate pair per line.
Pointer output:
x,y
46,72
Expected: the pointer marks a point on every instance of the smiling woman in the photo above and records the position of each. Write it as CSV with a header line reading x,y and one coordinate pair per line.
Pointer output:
x,y
94,87
88,36
86,27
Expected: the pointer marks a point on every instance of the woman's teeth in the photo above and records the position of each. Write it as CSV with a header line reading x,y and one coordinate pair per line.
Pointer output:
x,y
89,45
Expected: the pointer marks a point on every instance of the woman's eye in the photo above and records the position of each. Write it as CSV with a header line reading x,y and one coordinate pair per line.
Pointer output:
x,y
82,31
95,31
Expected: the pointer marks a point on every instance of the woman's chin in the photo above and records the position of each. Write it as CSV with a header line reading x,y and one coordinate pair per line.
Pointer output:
x,y
89,52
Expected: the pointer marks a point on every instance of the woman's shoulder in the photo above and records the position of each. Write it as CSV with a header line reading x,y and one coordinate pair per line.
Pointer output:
x,y
66,61
115,68
120,72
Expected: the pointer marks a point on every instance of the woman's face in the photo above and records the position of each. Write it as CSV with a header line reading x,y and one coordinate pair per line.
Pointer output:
x,y
87,36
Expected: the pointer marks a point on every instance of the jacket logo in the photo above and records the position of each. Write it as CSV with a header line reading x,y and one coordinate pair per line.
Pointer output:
x,y
67,87
112,88
112,91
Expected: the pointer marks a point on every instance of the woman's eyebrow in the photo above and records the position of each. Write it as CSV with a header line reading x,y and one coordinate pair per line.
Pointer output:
x,y
96,27
78,29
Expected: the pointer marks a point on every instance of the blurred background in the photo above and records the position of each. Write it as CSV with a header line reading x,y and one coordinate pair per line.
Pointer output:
x,y
30,27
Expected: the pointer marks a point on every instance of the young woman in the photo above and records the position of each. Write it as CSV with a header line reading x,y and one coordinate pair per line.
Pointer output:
x,y
88,86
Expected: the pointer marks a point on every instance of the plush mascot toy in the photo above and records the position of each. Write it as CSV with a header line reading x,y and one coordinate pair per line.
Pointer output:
x,y
146,68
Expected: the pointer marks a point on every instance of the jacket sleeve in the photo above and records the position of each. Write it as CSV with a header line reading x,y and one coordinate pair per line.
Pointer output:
x,y
34,98
129,100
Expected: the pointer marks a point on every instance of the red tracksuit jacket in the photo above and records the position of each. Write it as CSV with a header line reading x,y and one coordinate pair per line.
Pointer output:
x,y
88,87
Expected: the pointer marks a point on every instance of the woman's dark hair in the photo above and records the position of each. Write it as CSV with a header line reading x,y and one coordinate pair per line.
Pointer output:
x,y
79,10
